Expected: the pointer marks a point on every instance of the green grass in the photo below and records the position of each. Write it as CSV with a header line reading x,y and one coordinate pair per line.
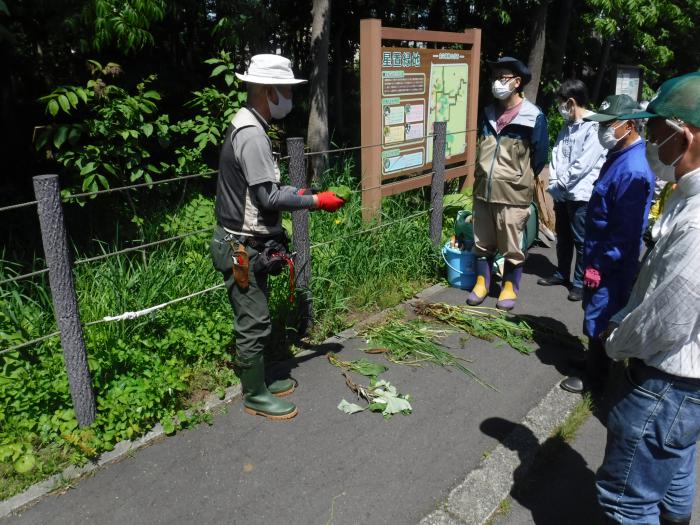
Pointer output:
x,y
149,369
567,430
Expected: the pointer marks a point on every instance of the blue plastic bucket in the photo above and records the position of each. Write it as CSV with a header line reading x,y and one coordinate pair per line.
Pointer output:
x,y
461,269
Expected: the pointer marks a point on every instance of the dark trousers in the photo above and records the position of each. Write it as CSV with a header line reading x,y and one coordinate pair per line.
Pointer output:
x,y
252,316
570,223
597,361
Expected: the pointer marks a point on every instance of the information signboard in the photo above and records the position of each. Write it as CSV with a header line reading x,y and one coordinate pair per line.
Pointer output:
x,y
628,81
420,87
404,91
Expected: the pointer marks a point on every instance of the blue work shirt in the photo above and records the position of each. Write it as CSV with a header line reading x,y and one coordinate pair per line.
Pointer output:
x,y
615,222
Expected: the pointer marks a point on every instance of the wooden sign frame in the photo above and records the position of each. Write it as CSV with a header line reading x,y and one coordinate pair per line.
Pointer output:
x,y
372,34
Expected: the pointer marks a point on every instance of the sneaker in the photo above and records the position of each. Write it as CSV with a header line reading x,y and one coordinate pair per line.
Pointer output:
x,y
554,280
575,294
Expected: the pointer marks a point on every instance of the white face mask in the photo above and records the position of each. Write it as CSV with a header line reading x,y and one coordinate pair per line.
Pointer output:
x,y
666,172
564,111
500,90
282,108
606,136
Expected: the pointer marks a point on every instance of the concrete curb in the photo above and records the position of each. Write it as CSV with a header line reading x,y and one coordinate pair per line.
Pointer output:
x,y
125,448
476,498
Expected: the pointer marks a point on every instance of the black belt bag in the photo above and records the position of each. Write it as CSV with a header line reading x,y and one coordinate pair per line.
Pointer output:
x,y
273,256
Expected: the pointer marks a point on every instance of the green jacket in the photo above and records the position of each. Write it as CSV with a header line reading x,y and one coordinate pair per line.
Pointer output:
x,y
508,162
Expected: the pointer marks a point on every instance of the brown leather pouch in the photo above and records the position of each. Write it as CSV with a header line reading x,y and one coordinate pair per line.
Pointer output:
x,y
240,265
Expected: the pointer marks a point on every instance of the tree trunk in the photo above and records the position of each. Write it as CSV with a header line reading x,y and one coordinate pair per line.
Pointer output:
x,y
318,115
536,58
559,50
338,66
604,58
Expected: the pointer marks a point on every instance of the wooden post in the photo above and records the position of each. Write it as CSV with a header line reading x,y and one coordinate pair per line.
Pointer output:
x,y
437,187
65,302
371,116
472,106
302,244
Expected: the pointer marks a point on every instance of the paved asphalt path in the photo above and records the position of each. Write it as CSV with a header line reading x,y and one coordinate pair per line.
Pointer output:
x,y
325,466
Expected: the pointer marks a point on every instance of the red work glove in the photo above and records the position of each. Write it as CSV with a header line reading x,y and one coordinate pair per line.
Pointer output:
x,y
329,201
591,277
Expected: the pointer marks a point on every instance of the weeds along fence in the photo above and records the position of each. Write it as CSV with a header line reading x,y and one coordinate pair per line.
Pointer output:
x,y
60,263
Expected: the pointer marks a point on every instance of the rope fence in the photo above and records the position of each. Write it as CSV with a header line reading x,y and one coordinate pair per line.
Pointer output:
x,y
139,185
18,206
130,315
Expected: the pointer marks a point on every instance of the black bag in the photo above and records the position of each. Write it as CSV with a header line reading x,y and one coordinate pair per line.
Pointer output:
x,y
272,258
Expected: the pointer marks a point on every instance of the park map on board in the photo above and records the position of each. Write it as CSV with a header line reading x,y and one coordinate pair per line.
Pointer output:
x,y
420,87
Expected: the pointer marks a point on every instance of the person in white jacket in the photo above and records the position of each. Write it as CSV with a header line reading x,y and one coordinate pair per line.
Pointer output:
x,y
576,161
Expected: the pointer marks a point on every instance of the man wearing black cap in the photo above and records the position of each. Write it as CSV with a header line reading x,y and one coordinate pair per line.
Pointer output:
x,y
512,152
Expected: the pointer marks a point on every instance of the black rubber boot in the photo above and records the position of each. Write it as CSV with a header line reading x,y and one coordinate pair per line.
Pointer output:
x,y
257,399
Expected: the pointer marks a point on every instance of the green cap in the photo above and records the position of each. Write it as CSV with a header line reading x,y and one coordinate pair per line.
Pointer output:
x,y
614,107
677,98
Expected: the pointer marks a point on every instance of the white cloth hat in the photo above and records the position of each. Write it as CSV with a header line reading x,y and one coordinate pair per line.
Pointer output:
x,y
270,69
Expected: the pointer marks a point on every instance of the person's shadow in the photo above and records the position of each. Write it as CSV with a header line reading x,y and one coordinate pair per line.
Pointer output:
x,y
555,345
553,481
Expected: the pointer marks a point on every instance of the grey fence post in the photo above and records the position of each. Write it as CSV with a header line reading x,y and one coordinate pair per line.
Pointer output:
x,y
437,188
65,302
302,244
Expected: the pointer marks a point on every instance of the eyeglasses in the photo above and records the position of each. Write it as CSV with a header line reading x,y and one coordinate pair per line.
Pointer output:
x,y
504,78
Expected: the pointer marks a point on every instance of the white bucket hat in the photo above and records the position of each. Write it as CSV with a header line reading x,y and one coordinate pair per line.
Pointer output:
x,y
270,69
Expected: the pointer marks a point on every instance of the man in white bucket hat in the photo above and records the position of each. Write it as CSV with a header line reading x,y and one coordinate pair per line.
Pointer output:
x,y
249,242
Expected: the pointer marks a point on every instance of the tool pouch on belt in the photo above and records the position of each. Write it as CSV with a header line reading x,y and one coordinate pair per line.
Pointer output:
x,y
240,265
272,257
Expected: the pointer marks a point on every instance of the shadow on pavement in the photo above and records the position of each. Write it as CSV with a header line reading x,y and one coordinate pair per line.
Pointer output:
x,y
539,264
556,346
553,482
283,369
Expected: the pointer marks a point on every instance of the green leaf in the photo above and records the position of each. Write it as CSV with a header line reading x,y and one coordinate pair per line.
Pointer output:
x,y
229,79
3,8
72,98
147,129
218,70
64,103
52,107
152,95
349,408
168,426
60,136
82,94
25,464
88,168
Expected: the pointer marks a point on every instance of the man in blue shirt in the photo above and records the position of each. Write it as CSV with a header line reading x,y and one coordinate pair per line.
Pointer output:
x,y
615,221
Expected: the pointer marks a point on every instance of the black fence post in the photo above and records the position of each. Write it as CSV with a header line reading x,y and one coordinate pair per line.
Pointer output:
x,y
302,244
65,302
437,188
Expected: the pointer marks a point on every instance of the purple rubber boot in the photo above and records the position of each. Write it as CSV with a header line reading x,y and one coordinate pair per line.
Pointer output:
x,y
483,282
511,286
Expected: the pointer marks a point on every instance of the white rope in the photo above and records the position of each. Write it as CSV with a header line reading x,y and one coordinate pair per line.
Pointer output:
x,y
140,313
